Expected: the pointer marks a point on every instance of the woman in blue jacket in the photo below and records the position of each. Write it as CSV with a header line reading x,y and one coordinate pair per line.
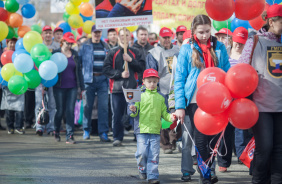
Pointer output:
x,y
203,51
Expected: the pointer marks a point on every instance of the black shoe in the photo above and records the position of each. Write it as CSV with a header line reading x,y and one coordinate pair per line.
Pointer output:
x,y
20,131
70,140
39,132
186,177
57,137
154,181
214,178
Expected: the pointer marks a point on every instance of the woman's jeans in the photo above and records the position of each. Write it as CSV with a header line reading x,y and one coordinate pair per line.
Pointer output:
x,y
65,101
267,163
147,154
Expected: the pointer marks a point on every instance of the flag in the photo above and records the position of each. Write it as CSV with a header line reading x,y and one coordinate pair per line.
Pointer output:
x,y
205,170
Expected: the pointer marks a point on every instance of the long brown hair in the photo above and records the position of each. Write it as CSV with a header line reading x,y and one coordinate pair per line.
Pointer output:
x,y
200,20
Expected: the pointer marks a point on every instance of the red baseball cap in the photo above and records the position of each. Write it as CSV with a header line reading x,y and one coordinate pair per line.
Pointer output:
x,y
58,29
274,11
187,34
181,29
46,28
166,32
224,31
240,35
150,73
69,37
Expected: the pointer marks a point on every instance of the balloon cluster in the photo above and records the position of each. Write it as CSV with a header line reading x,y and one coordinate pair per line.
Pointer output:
x,y
240,13
30,64
216,91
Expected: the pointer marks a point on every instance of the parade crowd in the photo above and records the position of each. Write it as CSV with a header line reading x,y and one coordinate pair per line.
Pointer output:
x,y
166,69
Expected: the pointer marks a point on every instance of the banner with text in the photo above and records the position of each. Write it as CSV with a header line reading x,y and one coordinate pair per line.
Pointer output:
x,y
172,13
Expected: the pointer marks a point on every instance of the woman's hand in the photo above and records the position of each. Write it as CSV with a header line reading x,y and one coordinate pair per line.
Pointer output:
x,y
180,113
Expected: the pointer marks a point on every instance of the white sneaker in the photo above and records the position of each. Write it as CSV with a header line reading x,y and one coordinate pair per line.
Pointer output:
x,y
117,143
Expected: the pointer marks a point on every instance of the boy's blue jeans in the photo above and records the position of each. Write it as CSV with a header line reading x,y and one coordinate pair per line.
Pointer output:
x,y
147,154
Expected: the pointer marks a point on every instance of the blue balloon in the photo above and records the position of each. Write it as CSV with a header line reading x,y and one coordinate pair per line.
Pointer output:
x,y
49,83
28,11
2,81
19,44
272,2
18,52
85,18
1,4
22,2
66,27
48,70
60,60
3,44
23,63
239,23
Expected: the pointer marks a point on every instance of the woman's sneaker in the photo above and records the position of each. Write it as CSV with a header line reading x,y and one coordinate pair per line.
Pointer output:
x,y
186,177
19,131
10,131
70,140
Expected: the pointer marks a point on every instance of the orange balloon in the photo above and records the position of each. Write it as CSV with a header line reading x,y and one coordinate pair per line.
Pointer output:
x,y
58,23
23,30
15,20
86,9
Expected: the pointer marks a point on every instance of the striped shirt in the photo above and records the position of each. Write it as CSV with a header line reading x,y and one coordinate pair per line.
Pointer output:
x,y
233,62
99,57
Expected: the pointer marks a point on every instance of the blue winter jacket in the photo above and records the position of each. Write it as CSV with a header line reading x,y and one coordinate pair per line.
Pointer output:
x,y
186,74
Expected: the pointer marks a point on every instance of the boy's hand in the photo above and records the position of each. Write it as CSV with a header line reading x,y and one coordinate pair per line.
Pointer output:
x,y
173,117
132,108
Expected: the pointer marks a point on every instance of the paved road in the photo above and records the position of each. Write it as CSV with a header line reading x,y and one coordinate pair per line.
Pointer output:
x,y
29,159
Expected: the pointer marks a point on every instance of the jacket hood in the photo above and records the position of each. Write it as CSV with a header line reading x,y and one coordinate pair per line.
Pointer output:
x,y
268,35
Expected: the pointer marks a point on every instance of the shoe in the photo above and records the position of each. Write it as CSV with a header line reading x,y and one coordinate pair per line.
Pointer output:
x,y
86,135
142,176
117,143
168,151
39,132
2,128
110,134
222,169
11,131
19,131
126,132
214,178
204,181
57,137
104,138
154,181
186,177
70,140
51,133
240,162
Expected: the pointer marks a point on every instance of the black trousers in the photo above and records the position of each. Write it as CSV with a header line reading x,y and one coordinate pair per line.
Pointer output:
x,y
267,163
14,119
29,107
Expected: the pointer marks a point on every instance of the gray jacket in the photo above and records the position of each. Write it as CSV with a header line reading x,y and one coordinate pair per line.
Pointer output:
x,y
11,101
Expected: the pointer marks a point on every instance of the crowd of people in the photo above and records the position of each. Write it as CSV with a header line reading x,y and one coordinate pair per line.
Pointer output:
x,y
166,71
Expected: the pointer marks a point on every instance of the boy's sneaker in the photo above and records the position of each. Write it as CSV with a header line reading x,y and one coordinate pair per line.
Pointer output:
x,y
117,143
214,178
19,131
154,181
142,176
10,131
39,132
70,140
57,137
86,135
104,138
186,177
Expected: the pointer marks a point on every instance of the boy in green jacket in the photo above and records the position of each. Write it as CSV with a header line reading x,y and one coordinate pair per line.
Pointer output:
x,y
147,126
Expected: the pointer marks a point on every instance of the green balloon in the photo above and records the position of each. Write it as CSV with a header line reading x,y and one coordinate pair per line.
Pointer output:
x,y
40,53
16,32
165,124
11,33
66,16
17,85
218,25
36,28
33,79
12,6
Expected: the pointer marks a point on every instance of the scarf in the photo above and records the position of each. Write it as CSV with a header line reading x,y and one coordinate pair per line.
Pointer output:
x,y
206,52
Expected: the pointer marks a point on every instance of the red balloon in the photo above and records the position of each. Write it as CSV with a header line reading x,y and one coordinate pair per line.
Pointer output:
x,y
4,15
250,9
213,98
212,74
209,124
243,113
258,22
241,80
220,10
79,30
7,57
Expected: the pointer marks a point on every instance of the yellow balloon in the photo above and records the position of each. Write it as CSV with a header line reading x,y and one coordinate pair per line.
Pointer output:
x,y
71,9
76,2
75,21
87,26
4,30
30,39
18,73
85,1
132,28
8,71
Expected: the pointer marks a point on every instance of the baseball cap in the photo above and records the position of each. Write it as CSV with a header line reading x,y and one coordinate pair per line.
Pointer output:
x,y
150,73
69,37
274,11
112,29
94,29
187,34
58,29
240,35
46,28
165,32
181,29
224,31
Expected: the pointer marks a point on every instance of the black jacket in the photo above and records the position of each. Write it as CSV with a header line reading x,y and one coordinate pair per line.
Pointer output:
x,y
78,70
114,66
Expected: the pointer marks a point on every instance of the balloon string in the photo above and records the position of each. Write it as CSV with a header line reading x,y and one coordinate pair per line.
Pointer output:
x,y
188,133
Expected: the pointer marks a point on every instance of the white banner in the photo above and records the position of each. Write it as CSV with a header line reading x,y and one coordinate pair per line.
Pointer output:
x,y
58,6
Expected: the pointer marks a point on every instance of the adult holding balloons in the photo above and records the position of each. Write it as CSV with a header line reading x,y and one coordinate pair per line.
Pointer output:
x,y
65,91
189,65
266,58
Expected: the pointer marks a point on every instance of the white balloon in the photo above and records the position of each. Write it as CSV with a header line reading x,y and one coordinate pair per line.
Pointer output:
x,y
23,63
22,2
60,60
48,70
